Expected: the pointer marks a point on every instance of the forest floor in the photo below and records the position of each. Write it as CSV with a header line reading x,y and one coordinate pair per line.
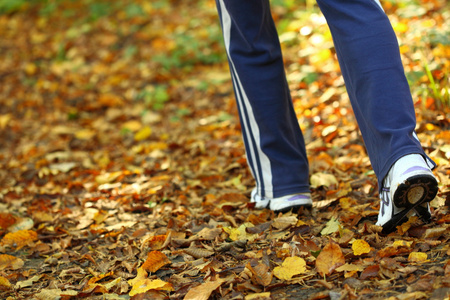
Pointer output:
x,y
123,173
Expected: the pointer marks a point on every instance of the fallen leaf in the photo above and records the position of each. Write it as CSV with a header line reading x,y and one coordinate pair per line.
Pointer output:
x,y
261,273
259,296
155,260
141,284
4,282
10,262
203,291
360,247
369,272
28,282
284,222
290,267
330,258
417,257
332,226
19,239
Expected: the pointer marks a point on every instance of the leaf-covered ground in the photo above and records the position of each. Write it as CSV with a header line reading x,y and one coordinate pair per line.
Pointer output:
x,y
123,173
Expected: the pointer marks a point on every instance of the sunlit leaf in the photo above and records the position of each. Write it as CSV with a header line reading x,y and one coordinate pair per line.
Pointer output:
x,y
360,247
417,257
19,239
290,267
141,284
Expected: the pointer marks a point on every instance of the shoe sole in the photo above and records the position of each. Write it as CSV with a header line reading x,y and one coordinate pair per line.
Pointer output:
x,y
410,195
292,208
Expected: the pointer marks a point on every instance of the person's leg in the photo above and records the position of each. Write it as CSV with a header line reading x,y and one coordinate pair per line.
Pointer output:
x,y
274,143
369,57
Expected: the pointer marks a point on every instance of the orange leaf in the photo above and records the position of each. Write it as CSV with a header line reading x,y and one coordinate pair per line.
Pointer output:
x,y
155,242
330,258
203,291
19,239
6,220
9,261
155,260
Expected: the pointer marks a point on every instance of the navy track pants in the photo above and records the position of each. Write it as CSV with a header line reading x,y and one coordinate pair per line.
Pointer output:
x,y
369,57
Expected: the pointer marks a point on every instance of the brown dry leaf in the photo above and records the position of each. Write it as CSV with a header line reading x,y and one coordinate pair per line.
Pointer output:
x,y
155,260
141,284
198,252
9,261
330,258
19,239
434,232
397,248
209,233
261,274
370,271
203,291
290,267
360,247
284,222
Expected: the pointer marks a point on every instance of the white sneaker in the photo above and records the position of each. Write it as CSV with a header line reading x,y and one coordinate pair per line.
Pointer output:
x,y
282,204
407,189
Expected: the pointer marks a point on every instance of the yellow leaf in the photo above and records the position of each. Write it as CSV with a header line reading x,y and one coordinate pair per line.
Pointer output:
x,y
331,227
417,257
143,134
360,247
4,282
155,260
19,239
9,261
203,291
401,243
84,134
259,296
132,125
141,284
240,233
290,267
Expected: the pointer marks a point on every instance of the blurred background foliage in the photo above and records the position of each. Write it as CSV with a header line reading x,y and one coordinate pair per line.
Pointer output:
x,y
167,39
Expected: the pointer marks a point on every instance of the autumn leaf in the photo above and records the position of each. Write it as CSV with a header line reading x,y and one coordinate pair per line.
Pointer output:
x,y
19,239
418,257
4,282
261,273
330,258
203,291
9,261
360,247
332,226
155,260
141,284
240,233
290,267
